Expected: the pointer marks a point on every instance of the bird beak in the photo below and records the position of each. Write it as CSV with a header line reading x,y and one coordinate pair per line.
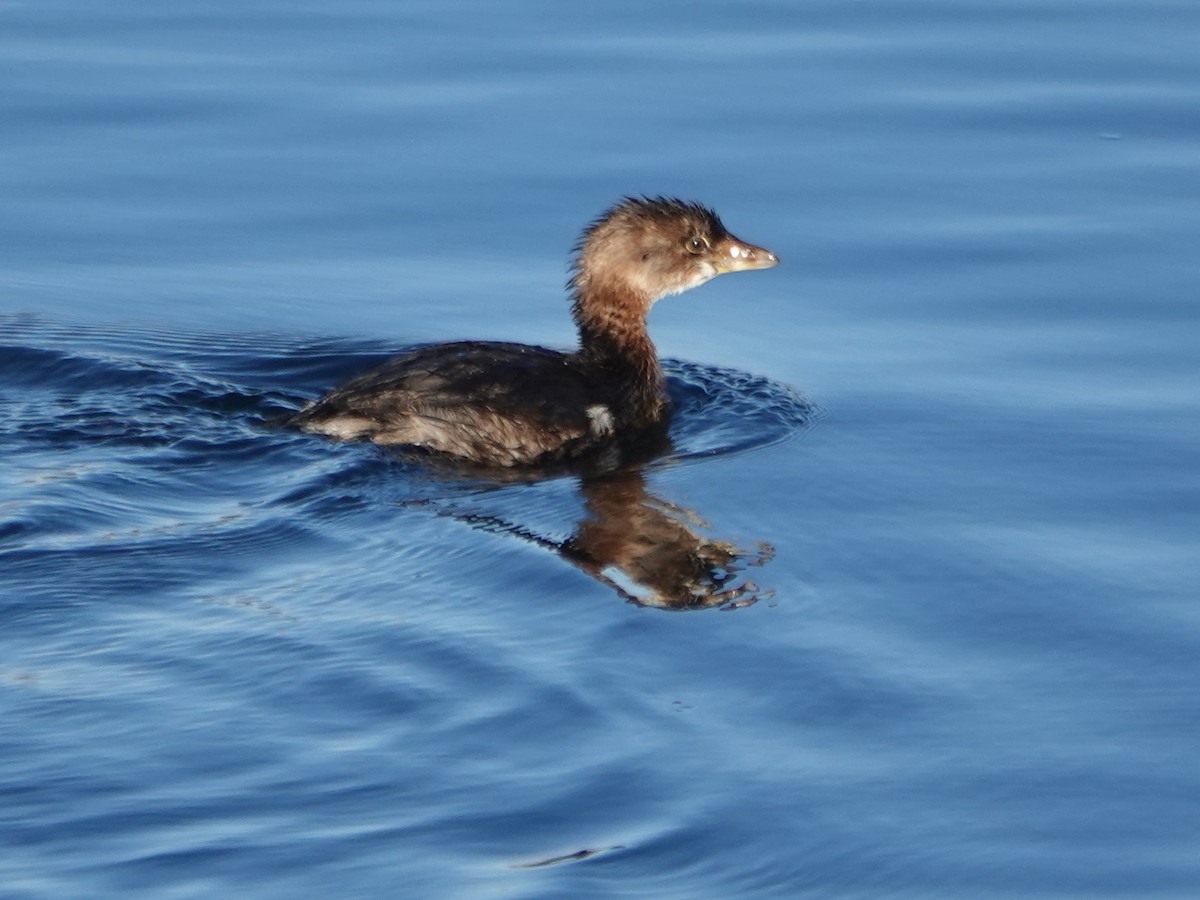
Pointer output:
x,y
732,254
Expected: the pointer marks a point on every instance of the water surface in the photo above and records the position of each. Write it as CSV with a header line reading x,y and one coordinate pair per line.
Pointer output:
x,y
910,608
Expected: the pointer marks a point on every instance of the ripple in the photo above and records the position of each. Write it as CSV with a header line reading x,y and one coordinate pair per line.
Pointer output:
x,y
720,411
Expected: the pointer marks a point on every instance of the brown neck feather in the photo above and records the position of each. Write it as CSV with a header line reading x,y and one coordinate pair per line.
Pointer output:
x,y
613,340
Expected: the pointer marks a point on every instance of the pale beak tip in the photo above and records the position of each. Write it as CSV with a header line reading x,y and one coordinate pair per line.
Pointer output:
x,y
741,256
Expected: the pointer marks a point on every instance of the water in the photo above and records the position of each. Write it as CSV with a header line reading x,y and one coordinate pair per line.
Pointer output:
x,y
938,468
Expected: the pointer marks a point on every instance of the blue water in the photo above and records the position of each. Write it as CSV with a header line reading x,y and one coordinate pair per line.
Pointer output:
x,y
910,609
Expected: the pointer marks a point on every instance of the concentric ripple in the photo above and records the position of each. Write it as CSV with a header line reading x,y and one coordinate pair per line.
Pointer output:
x,y
720,411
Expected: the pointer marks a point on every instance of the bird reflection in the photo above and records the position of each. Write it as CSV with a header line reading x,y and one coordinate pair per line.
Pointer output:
x,y
649,551
652,553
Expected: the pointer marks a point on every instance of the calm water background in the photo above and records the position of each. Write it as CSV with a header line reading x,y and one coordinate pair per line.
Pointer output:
x,y
240,662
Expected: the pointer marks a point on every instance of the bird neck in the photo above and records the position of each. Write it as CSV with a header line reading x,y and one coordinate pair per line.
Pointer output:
x,y
614,342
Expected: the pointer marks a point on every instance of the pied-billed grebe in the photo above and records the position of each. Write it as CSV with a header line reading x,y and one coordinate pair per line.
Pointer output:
x,y
502,404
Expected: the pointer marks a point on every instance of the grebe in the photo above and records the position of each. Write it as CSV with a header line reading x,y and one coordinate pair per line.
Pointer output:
x,y
508,405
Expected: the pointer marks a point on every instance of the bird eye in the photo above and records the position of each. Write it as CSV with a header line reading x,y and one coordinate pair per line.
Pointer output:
x,y
697,245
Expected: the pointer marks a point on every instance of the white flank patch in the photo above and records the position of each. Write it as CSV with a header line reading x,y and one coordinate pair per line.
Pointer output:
x,y
601,419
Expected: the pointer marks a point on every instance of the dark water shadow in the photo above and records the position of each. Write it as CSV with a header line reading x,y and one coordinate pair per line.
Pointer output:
x,y
577,856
